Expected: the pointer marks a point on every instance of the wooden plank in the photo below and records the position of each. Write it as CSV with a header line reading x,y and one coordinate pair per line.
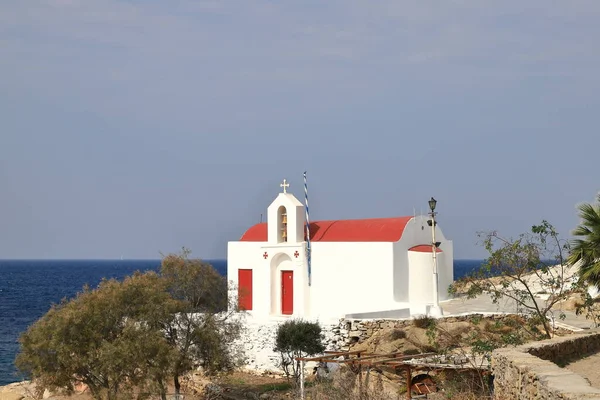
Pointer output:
x,y
344,352
402,358
408,382
396,356
369,356
360,361
320,359
332,354
328,359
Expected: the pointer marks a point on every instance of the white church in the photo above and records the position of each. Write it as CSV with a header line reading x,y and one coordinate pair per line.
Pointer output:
x,y
362,268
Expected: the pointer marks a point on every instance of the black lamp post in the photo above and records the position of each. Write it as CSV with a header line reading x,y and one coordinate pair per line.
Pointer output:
x,y
432,204
435,309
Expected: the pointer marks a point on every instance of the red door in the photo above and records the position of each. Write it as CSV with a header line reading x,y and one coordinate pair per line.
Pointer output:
x,y
287,292
245,289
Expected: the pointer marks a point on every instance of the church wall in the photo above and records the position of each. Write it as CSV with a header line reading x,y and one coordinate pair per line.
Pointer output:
x,y
420,274
350,278
418,232
415,233
446,274
417,268
400,274
266,275
247,255
297,229
282,258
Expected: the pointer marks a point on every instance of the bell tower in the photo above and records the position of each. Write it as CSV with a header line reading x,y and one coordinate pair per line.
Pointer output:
x,y
285,219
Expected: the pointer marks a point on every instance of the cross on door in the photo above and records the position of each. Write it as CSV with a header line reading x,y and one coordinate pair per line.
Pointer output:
x,y
265,255
285,185
296,254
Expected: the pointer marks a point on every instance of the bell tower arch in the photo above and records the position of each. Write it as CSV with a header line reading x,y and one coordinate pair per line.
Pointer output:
x,y
285,219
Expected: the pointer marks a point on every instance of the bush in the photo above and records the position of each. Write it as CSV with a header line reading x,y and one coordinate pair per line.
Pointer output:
x,y
297,338
424,322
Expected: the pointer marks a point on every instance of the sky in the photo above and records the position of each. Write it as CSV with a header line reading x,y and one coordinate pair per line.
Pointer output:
x,y
133,128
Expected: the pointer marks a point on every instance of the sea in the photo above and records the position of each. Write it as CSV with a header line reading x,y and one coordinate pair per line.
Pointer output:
x,y
29,287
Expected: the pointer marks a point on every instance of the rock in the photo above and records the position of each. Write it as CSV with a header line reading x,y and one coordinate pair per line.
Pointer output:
x,y
11,396
18,390
212,389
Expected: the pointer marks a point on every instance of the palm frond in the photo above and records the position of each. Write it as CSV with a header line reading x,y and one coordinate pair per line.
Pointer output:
x,y
585,249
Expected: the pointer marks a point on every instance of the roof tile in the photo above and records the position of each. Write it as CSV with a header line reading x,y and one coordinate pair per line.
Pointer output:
x,y
349,230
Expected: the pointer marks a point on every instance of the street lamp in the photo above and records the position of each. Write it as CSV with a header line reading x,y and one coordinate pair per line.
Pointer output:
x,y
435,310
432,204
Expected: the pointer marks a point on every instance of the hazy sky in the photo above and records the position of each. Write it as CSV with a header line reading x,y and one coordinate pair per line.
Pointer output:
x,y
137,127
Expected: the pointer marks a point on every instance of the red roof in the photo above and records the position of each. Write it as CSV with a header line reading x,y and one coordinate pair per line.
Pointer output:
x,y
424,248
349,230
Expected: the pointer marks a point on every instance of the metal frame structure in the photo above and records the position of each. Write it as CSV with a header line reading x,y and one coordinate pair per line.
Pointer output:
x,y
397,360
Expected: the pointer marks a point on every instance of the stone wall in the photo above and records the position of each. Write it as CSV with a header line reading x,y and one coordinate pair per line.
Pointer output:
x,y
532,371
356,331
563,350
256,344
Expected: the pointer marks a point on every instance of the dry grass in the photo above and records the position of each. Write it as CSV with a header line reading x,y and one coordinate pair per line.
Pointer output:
x,y
423,322
397,334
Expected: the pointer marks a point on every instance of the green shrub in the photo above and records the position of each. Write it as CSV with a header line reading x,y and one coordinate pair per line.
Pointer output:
x,y
297,338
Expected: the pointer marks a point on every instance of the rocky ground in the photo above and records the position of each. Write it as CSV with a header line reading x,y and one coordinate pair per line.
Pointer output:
x,y
411,338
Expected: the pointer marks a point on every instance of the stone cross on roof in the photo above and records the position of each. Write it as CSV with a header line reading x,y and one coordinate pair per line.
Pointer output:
x,y
285,185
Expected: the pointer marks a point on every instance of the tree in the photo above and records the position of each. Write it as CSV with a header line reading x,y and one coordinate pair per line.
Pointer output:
x,y
297,338
202,332
197,283
586,249
136,334
522,270
108,338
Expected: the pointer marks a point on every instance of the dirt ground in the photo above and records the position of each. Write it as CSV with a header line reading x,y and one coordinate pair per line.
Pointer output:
x,y
233,386
588,368
240,385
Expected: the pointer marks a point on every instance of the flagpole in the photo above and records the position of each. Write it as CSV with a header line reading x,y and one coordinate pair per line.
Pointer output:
x,y
307,229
